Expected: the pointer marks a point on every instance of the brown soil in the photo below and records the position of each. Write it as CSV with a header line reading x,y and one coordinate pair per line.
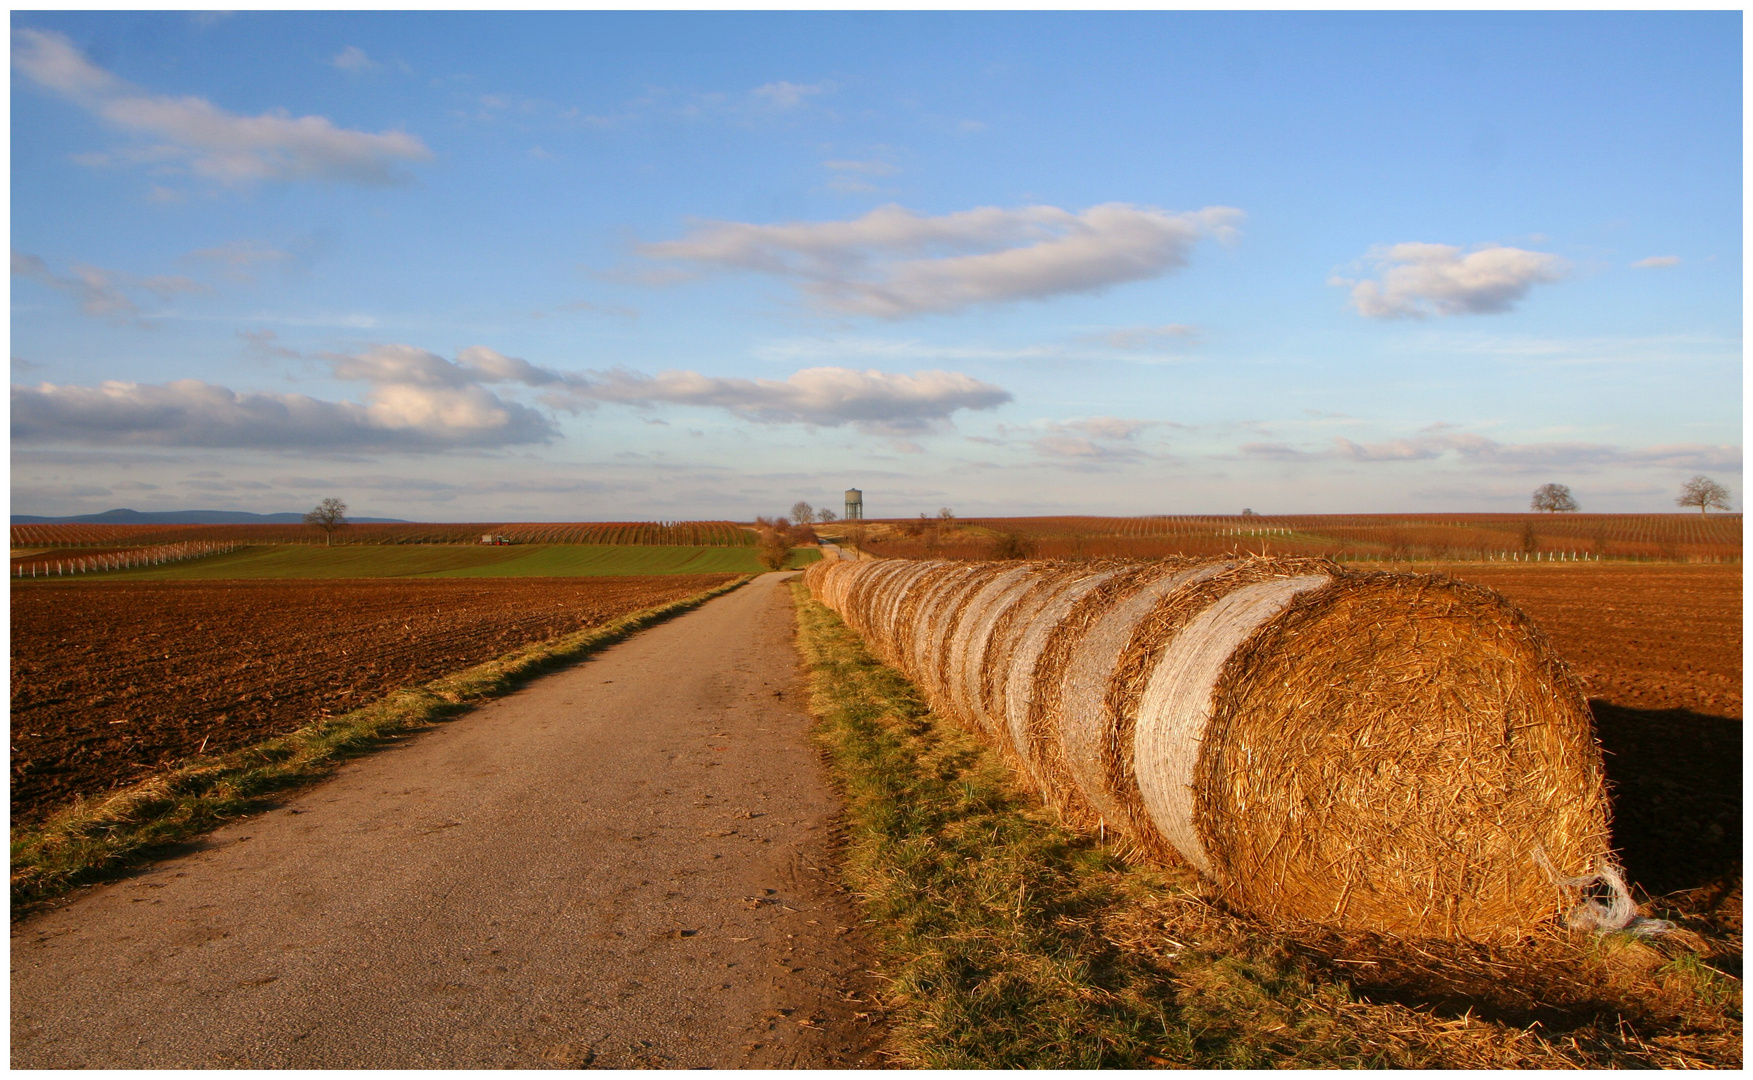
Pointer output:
x,y
114,681
1659,651
624,864
1647,637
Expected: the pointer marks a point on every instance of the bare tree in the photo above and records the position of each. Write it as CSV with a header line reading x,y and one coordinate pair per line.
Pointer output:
x,y
825,515
330,514
1553,499
773,543
802,512
946,515
1703,492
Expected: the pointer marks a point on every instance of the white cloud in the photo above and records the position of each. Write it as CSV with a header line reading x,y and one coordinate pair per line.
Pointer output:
x,y
1507,457
239,256
1107,427
211,142
889,350
1396,450
1657,261
619,311
874,402
1146,337
1092,438
892,263
788,95
261,344
353,59
406,365
416,401
1070,446
100,293
1418,280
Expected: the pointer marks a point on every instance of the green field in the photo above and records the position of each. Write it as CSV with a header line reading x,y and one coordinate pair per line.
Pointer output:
x,y
519,560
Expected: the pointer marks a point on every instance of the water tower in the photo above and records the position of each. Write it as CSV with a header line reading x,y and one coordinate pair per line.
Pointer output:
x,y
854,505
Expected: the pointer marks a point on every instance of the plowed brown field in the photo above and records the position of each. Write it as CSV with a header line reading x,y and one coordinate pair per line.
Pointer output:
x,y
114,681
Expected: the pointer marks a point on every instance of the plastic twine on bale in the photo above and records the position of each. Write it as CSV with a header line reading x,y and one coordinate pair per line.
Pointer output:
x,y
1177,704
1087,730
1018,689
1600,901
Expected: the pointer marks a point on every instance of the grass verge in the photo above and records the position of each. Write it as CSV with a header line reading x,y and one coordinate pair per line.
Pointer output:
x,y
1011,942
97,838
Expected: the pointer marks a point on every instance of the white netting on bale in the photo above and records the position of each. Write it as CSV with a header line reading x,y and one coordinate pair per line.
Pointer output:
x,y
1379,751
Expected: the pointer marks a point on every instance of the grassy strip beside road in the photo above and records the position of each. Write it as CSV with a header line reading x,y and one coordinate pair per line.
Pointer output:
x,y
296,561
1010,942
95,838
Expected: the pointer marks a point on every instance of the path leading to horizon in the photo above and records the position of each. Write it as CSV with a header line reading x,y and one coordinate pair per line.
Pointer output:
x,y
623,864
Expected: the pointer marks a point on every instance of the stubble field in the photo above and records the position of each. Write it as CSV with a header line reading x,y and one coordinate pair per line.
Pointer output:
x,y
112,682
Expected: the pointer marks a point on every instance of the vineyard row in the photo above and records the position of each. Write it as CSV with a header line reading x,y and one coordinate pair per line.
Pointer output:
x,y
120,560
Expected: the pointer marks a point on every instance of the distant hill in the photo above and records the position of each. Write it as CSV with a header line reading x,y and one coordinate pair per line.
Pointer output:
x,y
180,517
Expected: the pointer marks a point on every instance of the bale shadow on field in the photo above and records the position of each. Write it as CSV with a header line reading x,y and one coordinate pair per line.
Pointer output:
x,y
1676,782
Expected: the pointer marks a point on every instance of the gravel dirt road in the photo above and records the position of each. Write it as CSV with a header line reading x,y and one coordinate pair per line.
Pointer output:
x,y
622,865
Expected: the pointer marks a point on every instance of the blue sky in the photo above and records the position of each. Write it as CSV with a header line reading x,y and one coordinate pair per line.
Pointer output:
x,y
577,266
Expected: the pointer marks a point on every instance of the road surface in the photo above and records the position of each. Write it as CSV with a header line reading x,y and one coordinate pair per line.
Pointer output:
x,y
621,865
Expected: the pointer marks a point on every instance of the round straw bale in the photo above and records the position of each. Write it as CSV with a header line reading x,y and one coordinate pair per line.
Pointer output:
x,y
816,575
1381,751
1401,753
937,605
912,609
832,581
994,661
1169,729
956,604
1067,720
1017,693
1132,671
968,644
829,581
911,612
886,617
867,592
986,687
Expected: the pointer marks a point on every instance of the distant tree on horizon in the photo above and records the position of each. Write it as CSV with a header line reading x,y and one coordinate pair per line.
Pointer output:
x,y
825,515
1703,492
802,513
329,515
1553,499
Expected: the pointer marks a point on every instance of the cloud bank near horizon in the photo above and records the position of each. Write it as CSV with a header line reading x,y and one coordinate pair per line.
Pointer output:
x,y
1519,458
419,401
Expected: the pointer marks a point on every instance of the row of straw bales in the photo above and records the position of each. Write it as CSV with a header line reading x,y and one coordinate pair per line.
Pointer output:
x,y
1394,752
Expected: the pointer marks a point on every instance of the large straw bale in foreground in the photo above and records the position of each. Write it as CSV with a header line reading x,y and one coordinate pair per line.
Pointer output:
x,y
1402,753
